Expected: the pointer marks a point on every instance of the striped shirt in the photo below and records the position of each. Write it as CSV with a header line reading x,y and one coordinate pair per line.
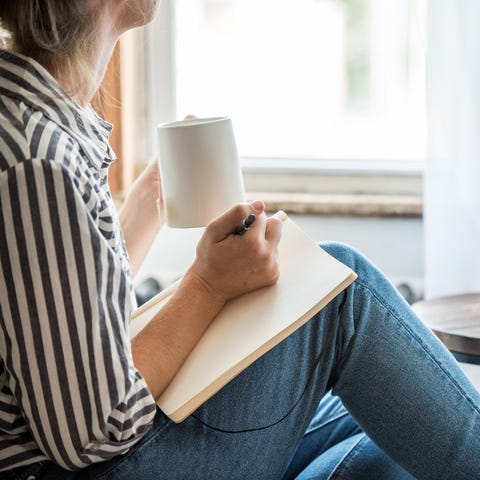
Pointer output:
x,y
69,391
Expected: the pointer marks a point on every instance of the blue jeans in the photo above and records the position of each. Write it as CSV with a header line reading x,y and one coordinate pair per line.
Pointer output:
x,y
406,406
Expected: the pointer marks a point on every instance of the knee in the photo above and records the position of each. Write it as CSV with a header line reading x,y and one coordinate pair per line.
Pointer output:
x,y
344,253
368,273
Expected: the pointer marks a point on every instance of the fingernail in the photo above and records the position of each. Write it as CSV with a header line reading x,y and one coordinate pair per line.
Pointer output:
x,y
258,205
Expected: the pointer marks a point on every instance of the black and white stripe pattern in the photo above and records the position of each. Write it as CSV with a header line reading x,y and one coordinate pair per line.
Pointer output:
x,y
68,389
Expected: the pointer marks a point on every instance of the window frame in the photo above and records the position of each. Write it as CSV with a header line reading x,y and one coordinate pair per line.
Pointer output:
x,y
394,178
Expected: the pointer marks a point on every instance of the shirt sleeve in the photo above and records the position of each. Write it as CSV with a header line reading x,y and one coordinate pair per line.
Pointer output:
x,y
63,331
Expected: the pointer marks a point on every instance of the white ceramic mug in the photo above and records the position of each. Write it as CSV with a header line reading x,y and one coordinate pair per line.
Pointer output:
x,y
199,169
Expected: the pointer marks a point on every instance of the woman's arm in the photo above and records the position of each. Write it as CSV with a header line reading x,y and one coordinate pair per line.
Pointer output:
x,y
225,267
139,216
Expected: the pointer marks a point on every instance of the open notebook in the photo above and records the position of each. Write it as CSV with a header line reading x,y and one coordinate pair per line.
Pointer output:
x,y
252,324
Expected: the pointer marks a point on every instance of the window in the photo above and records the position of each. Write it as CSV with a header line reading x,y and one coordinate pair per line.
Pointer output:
x,y
326,96
306,79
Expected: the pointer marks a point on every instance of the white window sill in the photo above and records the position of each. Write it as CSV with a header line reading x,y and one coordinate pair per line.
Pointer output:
x,y
336,187
355,205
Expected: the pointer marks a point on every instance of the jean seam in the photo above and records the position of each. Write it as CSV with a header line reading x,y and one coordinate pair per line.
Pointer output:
x,y
42,467
413,335
344,414
341,466
26,471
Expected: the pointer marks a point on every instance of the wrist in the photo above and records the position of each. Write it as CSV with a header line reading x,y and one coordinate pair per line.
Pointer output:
x,y
197,283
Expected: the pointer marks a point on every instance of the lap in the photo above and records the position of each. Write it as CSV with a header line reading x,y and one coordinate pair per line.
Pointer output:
x,y
269,407
333,446
257,423
254,423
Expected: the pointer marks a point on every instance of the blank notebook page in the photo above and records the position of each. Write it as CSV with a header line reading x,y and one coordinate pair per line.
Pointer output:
x,y
252,324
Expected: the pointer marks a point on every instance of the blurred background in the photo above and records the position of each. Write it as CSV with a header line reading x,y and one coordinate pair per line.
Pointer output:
x,y
358,117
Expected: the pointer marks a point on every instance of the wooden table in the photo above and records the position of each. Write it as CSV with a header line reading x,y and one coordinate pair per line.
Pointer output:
x,y
456,321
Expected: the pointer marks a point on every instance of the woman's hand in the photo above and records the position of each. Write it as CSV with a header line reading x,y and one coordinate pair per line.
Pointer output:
x,y
225,267
142,215
229,265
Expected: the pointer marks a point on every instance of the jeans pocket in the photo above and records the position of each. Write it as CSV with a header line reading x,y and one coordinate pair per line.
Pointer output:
x,y
29,472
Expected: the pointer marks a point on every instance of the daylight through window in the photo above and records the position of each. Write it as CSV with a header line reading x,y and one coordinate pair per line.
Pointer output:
x,y
327,79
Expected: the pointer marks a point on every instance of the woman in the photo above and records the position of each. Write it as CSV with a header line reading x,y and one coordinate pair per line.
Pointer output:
x,y
77,397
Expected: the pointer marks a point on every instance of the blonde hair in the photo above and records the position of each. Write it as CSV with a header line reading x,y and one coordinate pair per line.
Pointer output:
x,y
55,33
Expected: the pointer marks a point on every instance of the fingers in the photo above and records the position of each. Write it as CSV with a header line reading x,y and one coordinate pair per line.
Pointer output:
x,y
224,225
273,231
221,254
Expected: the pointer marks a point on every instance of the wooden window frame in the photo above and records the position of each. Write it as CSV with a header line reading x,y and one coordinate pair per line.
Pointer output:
x,y
108,104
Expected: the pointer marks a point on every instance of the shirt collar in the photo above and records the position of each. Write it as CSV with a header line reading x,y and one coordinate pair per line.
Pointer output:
x,y
25,80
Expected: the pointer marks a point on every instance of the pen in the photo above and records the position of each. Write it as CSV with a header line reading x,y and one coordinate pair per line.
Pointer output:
x,y
247,223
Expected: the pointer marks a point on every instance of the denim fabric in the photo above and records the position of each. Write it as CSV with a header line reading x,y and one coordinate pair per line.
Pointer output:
x,y
401,387
334,447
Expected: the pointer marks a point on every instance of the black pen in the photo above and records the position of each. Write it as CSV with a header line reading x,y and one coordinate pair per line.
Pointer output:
x,y
247,223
